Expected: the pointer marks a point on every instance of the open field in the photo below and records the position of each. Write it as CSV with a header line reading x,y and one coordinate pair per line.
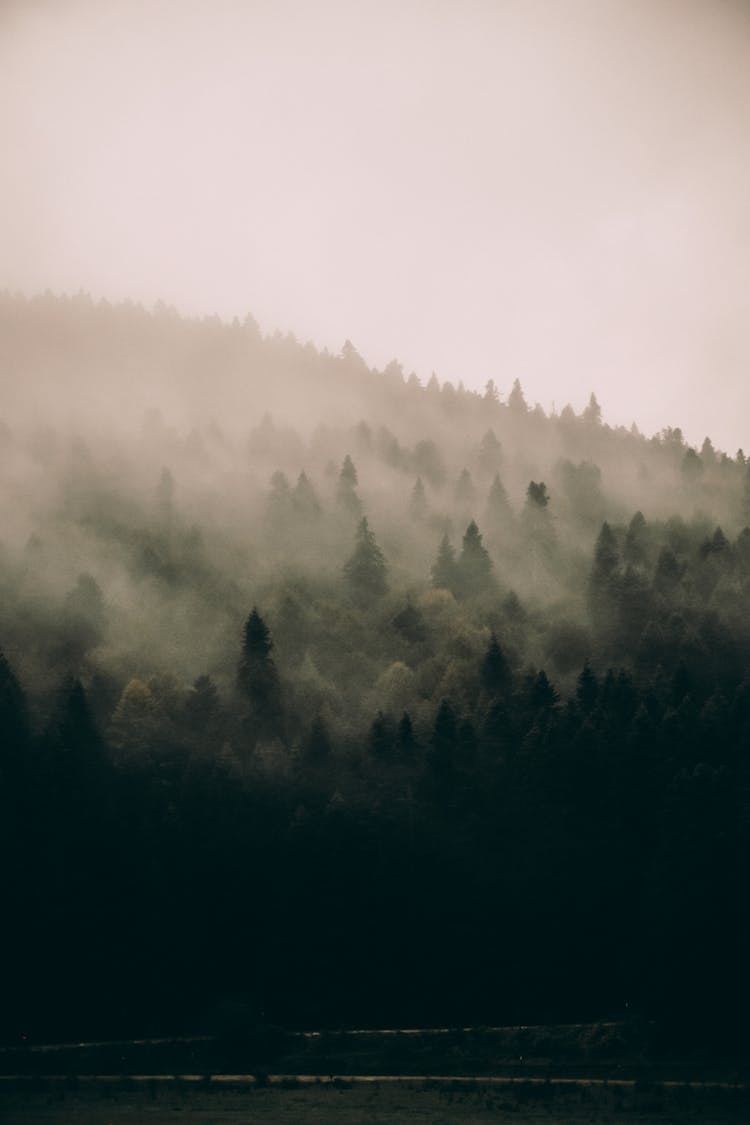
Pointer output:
x,y
120,1101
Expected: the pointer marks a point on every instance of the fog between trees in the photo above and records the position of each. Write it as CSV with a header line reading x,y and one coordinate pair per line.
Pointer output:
x,y
240,574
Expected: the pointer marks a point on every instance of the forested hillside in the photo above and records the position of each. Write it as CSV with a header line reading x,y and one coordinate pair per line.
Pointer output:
x,y
367,701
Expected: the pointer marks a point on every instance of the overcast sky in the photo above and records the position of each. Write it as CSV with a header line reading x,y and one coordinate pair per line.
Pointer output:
x,y
555,190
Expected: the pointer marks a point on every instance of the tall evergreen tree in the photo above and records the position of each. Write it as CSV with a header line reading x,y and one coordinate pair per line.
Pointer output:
x,y
444,741
494,672
366,571
464,492
474,564
490,454
444,570
346,494
498,515
257,677
516,401
604,586
405,739
305,498
636,547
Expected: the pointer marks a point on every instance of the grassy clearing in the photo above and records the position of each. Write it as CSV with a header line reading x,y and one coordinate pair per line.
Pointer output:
x,y
374,1105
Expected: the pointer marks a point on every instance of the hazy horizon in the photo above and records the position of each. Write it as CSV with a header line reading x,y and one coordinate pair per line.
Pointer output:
x,y
518,190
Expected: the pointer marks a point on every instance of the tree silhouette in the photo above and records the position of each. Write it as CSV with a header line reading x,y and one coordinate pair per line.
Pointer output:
x,y
257,677
494,672
366,571
346,495
474,564
444,570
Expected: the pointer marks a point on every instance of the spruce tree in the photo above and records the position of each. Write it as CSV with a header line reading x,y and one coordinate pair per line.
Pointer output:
x,y
474,564
498,514
257,677
405,740
418,501
494,672
490,453
444,741
305,498
346,494
444,570
366,571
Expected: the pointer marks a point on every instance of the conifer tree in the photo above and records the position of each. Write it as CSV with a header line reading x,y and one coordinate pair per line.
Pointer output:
x,y
604,587
366,571
592,415
444,570
202,704
257,677
635,548
498,515
516,401
444,740
474,564
464,492
305,498
490,453
405,740
494,672
587,689
346,494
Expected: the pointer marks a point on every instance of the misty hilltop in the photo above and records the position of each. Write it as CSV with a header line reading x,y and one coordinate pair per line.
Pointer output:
x,y
259,597
187,468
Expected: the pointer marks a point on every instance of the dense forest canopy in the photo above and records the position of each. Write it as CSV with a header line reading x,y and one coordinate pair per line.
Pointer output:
x,y
370,700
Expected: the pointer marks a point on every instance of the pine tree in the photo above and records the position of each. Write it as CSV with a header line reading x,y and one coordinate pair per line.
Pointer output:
x,y
668,573
498,515
635,548
202,705
257,677
490,453
444,740
366,571
305,498
474,564
346,494
464,492
444,570
587,689
537,496
604,586
494,672
405,740
592,415
491,396
516,401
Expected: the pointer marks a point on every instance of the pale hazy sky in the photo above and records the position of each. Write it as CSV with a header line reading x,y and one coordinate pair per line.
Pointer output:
x,y
557,190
